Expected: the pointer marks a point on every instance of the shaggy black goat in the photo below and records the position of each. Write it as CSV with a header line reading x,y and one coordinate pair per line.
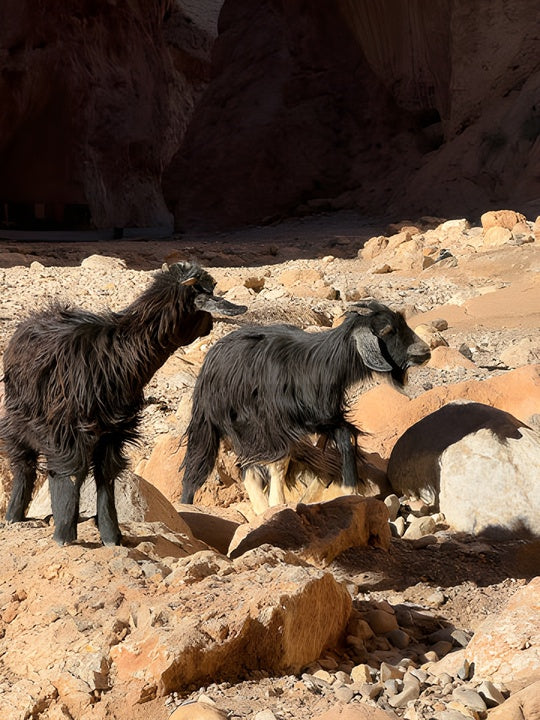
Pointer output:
x,y
266,388
74,390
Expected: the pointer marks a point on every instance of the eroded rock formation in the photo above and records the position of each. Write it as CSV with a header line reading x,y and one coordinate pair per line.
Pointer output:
x,y
387,107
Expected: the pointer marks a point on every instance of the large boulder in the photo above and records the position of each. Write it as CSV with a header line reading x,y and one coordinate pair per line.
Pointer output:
x,y
278,621
384,413
131,622
506,646
476,464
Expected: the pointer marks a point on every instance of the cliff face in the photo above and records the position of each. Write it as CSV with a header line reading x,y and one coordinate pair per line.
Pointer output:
x,y
393,107
408,107
95,97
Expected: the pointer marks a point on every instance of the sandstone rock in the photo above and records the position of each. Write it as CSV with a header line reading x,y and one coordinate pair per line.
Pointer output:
x,y
506,647
356,712
497,236
278,622
318,532
522,705
516,392
436,458
443,357
501,218
373,247
162,469
198,711
215,529
293,275
102,262
524,352
430,335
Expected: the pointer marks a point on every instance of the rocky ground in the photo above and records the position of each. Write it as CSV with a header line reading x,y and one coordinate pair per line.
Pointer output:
x,y
473,291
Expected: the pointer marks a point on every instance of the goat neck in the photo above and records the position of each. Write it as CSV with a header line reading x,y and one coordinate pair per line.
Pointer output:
x,y
158,322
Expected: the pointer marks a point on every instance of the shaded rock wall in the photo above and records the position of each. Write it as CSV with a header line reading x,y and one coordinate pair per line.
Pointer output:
x,y
96,96
389,107
402,107
293,115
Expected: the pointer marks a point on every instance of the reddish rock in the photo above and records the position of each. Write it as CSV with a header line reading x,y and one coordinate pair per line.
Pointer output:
x,y
317,532
501,218
385,413
506,647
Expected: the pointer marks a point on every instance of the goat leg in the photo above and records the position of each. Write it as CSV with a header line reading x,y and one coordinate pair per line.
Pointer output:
x,y
23,468
64,490
349,473
254,483
109,462
277,471
107,519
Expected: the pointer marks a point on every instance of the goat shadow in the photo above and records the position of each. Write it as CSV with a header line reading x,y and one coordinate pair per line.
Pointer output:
x,y
480,559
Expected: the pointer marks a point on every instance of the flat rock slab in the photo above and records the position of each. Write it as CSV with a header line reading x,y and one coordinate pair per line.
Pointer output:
x,y
318,532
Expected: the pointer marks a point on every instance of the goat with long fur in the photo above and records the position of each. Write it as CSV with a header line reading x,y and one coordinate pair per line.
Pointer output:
x,y
74,390
267,388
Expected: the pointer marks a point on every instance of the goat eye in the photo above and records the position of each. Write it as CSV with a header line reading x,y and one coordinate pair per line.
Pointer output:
x,y
386,330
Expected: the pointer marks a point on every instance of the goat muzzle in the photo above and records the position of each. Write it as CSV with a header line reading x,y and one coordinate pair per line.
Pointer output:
x,y
418,353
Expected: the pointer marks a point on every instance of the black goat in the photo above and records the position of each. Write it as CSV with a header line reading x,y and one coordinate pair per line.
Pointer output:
x,y
74,390
266,388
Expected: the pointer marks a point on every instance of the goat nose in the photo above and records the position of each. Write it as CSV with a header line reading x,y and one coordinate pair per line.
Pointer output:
x,y
419,353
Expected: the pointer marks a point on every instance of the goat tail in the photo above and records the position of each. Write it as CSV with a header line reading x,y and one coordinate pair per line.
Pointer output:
x,y
202,448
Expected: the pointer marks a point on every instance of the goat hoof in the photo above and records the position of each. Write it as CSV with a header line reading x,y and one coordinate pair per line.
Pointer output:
x,y
112,541
62,539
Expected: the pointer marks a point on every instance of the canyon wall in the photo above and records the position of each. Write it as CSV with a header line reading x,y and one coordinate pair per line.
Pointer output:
x,y
392,108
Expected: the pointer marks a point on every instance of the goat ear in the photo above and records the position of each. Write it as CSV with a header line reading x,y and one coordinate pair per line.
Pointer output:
x,y
190,281
368,349
164,267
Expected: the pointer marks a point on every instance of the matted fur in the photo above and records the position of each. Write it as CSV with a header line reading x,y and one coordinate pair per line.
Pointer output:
x,y
74,385
266,388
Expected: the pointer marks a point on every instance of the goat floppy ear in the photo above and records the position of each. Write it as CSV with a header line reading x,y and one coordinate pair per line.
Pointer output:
x,y
190,281
369,350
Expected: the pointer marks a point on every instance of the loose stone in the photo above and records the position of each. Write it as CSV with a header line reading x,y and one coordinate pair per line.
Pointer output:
x,y
344,693
491,695
470,698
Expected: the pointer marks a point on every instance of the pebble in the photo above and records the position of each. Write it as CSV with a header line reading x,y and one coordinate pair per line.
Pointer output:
x,y
389,672
265,715
461,637
399,638
442,648
381,621
465,671
419,527
393,505
361,673
392,686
